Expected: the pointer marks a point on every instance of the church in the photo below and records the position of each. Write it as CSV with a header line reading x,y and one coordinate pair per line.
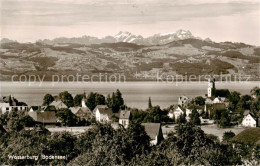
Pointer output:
x,y
211,88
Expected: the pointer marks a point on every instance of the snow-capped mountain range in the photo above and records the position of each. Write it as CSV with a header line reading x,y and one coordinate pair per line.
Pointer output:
x,y
128,37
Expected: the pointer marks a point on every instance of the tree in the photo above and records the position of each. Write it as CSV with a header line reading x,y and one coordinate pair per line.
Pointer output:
x,y
222,93
228,135
114,147
244,102
66,117
77,100
234,97
255,92
181,119
116,101
61,144
224,120
199,100
149,103
195,117
47,99
95,99
66,98
191,146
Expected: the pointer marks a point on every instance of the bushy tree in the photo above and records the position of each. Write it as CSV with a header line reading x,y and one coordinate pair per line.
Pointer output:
x,y
181,119
228,135
225,119
66,117
61,144
191,146
77,100
95,99
114,147
199,100
47,99
234,98
116,101
195,117
66,98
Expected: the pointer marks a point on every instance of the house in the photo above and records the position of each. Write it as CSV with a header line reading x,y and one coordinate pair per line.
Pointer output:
x,y
208,101
219,100
249,136
4,107
124,118
170,114
103,114
8,103
44,118
177,112
249,120
188,112
81,112
183,101
99,107
58,104
219,106
154,131
37,108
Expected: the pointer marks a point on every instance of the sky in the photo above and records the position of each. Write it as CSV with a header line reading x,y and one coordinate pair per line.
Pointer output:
x,y
220,20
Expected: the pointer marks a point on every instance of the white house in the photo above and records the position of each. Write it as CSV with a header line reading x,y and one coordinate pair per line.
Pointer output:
x,y
208,101
177,112
188,112
124,118
249,120
8,103
4,107
37,108
154,131
58,104
183,101
103,114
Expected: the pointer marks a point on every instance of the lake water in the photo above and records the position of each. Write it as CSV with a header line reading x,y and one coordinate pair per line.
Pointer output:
x,y
135,94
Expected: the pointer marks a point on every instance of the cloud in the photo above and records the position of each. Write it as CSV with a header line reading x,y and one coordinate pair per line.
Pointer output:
x,y
60,12
38,18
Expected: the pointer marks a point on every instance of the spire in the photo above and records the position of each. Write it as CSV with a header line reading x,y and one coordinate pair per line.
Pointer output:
x,y
84,95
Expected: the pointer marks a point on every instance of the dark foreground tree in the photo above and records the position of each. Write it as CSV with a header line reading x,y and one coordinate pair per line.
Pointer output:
x,y
114,147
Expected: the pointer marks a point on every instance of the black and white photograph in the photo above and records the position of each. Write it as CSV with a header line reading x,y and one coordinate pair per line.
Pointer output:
x,y
130,82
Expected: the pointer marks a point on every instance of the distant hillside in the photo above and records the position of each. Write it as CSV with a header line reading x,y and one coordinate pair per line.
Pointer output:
x,y
189,56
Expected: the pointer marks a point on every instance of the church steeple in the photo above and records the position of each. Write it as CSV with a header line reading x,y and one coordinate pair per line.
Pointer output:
x,y
83,101
211,87
84,95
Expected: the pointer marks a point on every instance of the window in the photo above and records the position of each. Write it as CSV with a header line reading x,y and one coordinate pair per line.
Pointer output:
x,y
7,108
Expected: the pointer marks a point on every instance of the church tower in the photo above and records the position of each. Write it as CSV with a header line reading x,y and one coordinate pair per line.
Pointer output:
x,y
211,87
83,101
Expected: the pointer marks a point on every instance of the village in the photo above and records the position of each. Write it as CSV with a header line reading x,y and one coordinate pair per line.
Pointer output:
x,y
89,125
214,111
